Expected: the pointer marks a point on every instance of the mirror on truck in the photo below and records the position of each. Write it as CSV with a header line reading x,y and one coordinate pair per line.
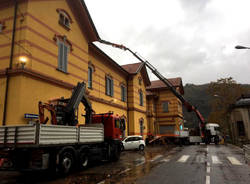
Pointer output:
x,y
123,124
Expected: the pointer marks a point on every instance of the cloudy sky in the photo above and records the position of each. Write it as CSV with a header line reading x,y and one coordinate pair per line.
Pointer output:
x,y
192,39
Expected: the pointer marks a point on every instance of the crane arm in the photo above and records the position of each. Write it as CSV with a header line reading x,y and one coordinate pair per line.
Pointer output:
x,y
188,106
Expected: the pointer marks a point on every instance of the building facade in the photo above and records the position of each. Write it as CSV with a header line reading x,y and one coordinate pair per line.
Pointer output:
x,y
165,116
46,48
240,120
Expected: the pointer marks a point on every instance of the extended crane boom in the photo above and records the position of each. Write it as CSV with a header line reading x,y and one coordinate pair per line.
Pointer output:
x,y
188,106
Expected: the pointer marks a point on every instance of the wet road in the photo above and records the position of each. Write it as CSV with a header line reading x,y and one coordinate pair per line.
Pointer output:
x,y
131,166
195,164
201,165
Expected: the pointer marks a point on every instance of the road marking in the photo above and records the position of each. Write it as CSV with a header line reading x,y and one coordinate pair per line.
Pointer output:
x,y
207,179
208,169
155,158
215,160
234,161
183,158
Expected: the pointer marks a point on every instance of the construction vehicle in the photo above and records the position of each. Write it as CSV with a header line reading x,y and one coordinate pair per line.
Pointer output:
x,y
182,136
64,144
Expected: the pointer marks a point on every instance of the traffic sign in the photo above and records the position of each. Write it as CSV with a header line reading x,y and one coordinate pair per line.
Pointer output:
x,y
31,116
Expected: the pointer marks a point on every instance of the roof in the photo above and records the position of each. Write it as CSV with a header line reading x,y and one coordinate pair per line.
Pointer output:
x,y
242,102
132,68
158,84
135,68
81,13
108,60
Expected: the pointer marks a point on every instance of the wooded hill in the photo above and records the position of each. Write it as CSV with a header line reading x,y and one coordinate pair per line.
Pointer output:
x,y
199,97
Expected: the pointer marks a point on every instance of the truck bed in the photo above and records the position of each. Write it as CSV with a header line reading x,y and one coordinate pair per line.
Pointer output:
x,y
49,135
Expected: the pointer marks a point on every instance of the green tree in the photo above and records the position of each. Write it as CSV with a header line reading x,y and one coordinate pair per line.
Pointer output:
x,y
224,92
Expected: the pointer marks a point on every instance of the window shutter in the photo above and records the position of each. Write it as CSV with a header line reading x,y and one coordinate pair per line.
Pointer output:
x,y
122,94
65,59
112,87
90,71
60,55
141,99
106,85
125,94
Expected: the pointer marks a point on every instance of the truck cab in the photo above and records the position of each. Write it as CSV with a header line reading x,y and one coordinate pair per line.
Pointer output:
x,y
114,125
213,129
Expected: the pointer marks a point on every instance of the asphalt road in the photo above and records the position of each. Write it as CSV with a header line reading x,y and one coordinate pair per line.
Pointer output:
x,y
201,164
197,164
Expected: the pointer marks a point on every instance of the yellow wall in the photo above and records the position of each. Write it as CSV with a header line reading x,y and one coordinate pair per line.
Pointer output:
x,y
174,116
136,111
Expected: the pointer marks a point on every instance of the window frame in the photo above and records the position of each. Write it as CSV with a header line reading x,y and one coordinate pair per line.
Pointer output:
x,y
123,93
109,86
141,101
64,19
163,106
90,77
62,64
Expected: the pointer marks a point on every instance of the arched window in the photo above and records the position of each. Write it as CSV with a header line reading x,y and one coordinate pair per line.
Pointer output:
x,y
64,19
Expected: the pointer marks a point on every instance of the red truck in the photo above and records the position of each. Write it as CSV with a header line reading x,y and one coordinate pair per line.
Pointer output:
x,y
64,144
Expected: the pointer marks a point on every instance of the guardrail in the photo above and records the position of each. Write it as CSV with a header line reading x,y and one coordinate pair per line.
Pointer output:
x,y
246,149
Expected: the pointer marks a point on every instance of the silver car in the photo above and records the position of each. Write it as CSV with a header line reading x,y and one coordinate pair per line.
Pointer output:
x,y
133,142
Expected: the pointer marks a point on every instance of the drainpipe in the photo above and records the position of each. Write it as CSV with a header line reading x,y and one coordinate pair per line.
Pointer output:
x,y
10,64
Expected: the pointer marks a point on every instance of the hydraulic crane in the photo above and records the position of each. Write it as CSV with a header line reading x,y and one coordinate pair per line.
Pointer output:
x,y
188,106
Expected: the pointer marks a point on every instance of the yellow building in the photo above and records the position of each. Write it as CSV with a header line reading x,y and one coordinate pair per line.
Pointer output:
x,y
137,82
46,47
164,110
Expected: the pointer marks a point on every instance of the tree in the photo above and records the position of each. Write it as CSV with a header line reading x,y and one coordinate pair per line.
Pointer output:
x,y
224,92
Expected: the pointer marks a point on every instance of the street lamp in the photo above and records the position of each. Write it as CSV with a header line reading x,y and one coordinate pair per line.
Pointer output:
x,y
241,47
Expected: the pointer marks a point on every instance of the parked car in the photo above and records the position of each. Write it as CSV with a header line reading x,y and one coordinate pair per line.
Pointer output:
x,y
133,142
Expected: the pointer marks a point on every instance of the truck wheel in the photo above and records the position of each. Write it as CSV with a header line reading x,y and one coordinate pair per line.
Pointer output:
x,y
115,153
216,140
66,162
84,160
141,147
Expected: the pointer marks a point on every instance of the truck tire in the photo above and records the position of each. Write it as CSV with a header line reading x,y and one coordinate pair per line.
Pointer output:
x,y
216,140
83,160
66,162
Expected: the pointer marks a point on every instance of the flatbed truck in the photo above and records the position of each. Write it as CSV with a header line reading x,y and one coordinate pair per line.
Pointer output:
x,y
63,145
